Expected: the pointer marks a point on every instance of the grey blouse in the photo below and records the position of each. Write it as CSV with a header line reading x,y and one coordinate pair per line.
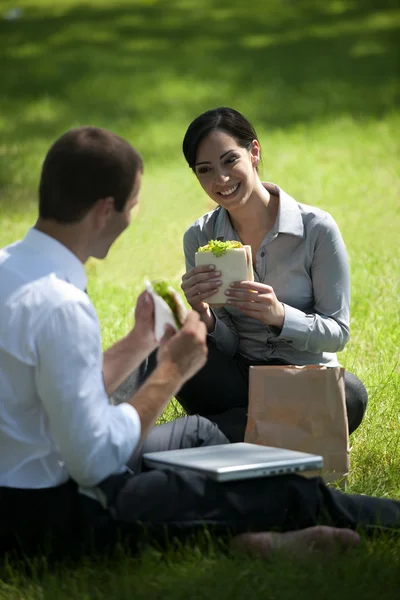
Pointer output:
x,y
304,259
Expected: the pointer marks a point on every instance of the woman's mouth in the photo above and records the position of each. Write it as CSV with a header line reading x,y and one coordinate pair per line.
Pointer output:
x,y
230,191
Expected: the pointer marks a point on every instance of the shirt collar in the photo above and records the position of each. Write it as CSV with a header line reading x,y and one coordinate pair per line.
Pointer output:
x,y
289,219
63,259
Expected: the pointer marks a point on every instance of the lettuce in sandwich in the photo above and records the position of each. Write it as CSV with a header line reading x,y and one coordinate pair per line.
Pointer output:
x,y
218,248
172,298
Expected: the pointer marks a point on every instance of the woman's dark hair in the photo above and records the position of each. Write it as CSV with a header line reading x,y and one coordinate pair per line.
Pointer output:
x,y
224,119
82,166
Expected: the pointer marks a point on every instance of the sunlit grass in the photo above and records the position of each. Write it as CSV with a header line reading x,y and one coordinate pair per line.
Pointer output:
x,y
320,83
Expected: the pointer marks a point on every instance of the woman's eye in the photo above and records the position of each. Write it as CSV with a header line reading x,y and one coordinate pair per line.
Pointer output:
x,y
202,170
231,160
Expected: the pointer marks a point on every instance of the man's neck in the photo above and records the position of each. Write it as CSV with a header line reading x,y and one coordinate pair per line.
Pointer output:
x,y
70,235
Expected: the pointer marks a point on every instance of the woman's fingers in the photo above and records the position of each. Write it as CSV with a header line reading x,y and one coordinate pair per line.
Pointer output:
x,y
248,296
200,296
251,285
198,272
256,307
200,283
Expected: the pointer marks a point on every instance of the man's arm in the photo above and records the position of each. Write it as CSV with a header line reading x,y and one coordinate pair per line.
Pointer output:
x,y
180,356
127,354
95,438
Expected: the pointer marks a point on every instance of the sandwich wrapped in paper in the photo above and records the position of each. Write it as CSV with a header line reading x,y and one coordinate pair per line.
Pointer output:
x,y
232,259
169,308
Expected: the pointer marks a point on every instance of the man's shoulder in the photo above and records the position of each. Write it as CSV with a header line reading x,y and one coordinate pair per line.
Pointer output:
x,y
46,305
37,299
55,291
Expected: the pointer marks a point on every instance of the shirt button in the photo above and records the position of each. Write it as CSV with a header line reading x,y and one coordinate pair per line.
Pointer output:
x,y
262,254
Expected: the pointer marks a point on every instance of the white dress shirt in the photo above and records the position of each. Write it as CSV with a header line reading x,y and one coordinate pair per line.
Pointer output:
x,y
56,420
305,260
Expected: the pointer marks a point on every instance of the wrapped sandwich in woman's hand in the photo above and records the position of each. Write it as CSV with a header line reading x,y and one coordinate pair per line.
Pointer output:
x,y
232,259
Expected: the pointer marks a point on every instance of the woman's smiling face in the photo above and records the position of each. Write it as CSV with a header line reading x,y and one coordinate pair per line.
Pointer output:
x,y
226,171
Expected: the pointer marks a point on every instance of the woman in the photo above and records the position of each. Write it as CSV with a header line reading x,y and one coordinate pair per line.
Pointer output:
x,y
297,309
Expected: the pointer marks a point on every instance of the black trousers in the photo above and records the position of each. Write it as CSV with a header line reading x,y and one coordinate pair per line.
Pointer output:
x,y
161,504
219,391
45,519
61,521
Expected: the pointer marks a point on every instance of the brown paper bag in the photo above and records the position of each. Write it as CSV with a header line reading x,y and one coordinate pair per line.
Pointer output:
x,y
301,408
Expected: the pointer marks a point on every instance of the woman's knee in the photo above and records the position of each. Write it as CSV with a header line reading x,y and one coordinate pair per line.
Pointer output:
x,y
216,388
356,400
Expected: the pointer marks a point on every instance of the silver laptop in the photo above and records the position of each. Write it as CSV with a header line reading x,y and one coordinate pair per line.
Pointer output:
x,y
229,462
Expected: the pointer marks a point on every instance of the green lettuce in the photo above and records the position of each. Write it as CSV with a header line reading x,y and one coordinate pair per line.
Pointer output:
x,y
163,289
219,248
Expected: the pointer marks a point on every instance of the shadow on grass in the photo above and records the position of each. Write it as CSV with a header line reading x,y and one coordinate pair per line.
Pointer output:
x,y
142,64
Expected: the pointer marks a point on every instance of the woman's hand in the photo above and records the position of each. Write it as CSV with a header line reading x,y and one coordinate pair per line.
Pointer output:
x,y
257,300
200,283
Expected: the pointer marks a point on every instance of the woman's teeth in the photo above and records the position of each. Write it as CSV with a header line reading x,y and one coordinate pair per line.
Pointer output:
x,y
230,190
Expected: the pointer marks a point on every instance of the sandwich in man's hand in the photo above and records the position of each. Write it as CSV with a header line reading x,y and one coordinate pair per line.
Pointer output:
x,y
169,308
232,259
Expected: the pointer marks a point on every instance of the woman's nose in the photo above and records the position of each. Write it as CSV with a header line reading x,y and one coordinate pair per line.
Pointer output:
x,y
221,176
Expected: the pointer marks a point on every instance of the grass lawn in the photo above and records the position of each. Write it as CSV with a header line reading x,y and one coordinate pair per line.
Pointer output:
x,y
319,80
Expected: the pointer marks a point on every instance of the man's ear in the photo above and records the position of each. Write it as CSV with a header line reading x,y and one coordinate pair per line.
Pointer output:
x,y
102,211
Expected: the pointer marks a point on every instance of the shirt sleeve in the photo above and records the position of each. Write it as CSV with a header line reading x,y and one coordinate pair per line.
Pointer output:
x,y
95,438
224,335
326,329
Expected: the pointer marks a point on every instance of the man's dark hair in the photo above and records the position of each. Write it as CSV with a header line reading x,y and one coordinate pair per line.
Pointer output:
x,y
82,166
224,119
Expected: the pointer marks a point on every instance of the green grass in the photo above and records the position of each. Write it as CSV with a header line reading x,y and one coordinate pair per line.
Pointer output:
x,y
320,82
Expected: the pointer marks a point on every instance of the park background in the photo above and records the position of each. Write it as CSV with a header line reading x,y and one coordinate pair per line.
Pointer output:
x,y
320,82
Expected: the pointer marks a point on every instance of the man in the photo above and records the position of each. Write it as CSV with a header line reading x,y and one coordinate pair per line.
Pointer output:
x,y
70,461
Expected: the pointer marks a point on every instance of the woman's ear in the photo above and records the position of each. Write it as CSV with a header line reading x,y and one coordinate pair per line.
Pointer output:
x,y
255,153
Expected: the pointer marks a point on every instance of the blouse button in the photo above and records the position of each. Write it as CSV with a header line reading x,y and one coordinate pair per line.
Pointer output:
x,y
262,254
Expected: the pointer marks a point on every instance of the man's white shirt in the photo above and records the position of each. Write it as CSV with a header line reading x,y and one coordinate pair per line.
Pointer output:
x,y
56,420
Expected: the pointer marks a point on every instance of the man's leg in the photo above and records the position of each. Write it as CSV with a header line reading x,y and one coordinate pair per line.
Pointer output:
x,y
39,520
186,432
169,504
99,530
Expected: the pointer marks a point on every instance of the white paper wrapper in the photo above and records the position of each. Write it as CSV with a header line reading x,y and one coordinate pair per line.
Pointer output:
x,y
234,265
163,315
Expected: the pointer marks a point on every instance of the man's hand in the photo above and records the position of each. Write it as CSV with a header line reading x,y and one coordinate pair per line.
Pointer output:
x,y
185,351
126,355
180,356
142,333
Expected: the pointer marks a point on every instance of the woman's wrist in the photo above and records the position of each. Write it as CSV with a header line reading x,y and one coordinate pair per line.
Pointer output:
x,y
208,319
280,317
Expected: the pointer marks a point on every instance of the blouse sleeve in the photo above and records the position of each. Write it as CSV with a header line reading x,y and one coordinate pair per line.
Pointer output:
x,y
326,329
